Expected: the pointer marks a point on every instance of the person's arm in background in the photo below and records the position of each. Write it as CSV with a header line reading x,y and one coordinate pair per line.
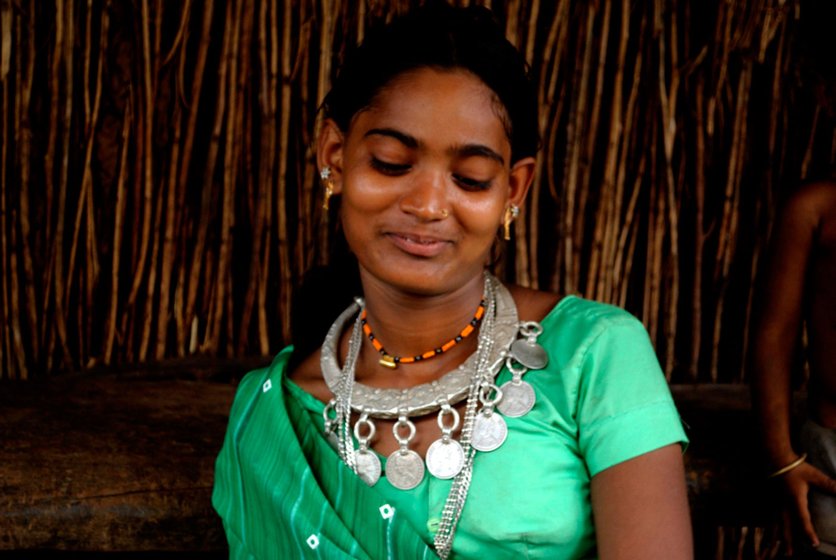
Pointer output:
x,y
780,315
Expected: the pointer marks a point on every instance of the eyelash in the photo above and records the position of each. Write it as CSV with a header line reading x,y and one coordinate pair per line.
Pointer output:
x,y
395,169
389,168
472,184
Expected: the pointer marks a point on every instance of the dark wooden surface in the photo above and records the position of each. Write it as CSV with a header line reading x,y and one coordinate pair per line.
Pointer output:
x,y
124,461
111,462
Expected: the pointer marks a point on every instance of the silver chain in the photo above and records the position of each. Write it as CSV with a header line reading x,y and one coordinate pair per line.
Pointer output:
x,y
343,396
452,511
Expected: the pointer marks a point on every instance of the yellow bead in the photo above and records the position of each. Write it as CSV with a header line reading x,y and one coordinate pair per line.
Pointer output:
x,y
388,361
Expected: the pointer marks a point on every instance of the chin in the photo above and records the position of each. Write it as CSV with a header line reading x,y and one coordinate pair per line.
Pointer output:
x,y
415,279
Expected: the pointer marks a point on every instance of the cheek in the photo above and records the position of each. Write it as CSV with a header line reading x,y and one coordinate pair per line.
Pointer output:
x,y
482,219
365,192
361,202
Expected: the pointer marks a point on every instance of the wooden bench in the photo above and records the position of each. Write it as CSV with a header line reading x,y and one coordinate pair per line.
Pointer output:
x,y
124,462
114,462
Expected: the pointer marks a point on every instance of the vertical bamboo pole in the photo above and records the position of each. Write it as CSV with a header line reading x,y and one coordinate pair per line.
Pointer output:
x,y
14,22
668,95
213,331
305,239
588,156
174,204
208,183
85,195
281,195
25,182
728,227
526,262
152,67
546,102
615,244
605,222
512,24
6,253
47,334
264,342
261,213
118,229
574,135
59,278
151,284
181,316
147,103
589,133
655,238
242,115
623,263
699,231
92,260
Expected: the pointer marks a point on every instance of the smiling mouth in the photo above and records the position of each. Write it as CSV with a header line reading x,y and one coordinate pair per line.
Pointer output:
x,y
418,245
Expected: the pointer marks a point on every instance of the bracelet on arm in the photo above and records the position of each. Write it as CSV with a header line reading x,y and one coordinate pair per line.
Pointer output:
x,y
787,468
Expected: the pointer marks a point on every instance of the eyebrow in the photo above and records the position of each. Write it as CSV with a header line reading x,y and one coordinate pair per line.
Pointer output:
x,y
405,139
467,150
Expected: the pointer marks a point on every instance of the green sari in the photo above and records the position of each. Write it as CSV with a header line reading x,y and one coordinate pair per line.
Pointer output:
x,y
281,489
271,499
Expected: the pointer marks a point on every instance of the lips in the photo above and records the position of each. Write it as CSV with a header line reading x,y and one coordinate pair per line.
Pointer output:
x,y
418,245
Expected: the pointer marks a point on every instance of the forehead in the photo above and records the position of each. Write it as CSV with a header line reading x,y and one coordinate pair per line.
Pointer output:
x,y
434,103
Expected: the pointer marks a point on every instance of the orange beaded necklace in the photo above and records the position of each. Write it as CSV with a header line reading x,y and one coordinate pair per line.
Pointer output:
x,y
391,362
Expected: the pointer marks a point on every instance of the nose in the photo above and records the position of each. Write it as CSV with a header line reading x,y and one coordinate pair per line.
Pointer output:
x,y
427,197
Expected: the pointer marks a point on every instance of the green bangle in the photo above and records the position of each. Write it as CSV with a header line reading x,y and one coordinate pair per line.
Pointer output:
x,y
787,468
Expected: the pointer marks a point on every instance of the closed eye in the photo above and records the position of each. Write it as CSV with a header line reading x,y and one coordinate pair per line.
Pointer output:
x,y
389,168
471,184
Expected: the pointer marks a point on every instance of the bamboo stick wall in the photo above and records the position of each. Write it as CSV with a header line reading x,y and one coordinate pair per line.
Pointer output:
x,y
158,193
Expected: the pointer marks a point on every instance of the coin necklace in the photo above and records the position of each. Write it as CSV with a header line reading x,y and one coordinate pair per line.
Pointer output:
x,y
484,430
517,396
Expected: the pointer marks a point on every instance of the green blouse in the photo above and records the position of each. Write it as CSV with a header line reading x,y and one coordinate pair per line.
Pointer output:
x,y
601,400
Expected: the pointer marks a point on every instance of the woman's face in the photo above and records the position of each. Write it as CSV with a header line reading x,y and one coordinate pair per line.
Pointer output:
x,y
425,178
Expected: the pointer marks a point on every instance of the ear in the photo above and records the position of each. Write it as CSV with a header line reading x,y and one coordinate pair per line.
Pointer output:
x,y
519,180
329,152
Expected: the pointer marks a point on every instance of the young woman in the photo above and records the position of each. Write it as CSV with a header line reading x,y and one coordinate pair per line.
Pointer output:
x,y
445,414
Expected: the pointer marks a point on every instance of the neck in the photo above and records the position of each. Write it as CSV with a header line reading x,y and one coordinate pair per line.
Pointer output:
x,y
408,324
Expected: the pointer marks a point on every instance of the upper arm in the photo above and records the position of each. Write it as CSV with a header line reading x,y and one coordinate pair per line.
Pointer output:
x,y
629,434
640,508
790,248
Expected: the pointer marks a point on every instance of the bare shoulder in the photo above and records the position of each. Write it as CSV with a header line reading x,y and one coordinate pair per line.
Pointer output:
x,y
533,305
308,375
814,202
810,214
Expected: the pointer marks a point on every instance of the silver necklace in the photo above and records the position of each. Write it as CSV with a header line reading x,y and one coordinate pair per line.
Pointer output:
x,y
425,398
446,458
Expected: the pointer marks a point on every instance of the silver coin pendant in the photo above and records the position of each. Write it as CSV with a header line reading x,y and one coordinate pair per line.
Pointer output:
x,y
529,354
489,431
368,466
404,469
333,440
445,459
517,398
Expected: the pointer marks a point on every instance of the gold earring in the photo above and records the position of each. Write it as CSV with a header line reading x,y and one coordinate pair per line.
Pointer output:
x,y
325,175
511,214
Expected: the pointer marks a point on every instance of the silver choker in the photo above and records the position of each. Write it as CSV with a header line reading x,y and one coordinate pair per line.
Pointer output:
x,y
425,398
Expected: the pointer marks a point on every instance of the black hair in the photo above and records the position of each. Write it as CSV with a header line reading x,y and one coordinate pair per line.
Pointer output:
x,y
438,35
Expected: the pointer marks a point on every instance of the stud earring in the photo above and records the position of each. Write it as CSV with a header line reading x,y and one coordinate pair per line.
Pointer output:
x,y
511,214
325,175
